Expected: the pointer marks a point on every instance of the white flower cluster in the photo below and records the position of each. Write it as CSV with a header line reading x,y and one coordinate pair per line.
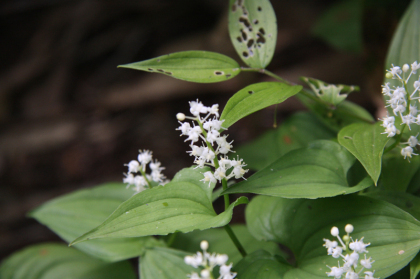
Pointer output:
x,y
350,260
208,262
402,103
137,175
208,130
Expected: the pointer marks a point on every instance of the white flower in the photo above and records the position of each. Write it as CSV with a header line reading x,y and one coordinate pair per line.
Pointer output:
x,y
366,262
391,130
184,128
335,271
369,275
358,246
352,275
413,141
208,177
197,107
407,152
414,67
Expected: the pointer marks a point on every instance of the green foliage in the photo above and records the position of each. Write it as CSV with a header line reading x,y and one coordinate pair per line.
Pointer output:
x,y
366,142
74,214
253,31
49,261
164,263
254,98
261,264
295,132
319,170
181,205
220,242
195,66
301,224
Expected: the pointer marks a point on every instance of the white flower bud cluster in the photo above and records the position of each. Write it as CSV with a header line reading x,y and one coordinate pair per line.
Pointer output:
x,y
137,175
208,262
208,130
351,261
402,103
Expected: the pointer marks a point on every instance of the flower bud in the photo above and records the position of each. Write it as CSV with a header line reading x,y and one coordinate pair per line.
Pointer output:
x,y
334,231
388,75
405,68
180,116
204,245
349,228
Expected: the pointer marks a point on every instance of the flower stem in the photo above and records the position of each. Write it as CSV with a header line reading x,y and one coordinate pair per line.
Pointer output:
x,y
171,239
235,240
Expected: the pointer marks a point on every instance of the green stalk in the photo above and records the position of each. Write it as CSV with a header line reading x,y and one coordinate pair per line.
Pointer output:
x,y
235,240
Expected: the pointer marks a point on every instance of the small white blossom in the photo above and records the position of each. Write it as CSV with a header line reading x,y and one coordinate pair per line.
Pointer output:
x,y
407,152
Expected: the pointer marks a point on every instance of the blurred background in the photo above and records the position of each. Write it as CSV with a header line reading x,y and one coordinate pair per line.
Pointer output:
x,y
70,119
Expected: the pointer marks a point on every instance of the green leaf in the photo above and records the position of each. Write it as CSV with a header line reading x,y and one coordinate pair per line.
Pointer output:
x,y
164,263
329,93
366,142
345,113
73,214
302,224
253,31
261,264
50,261
415,267
181,205
195,66
295,132
407,202
222,244
397,172
341,25
317,171
254,98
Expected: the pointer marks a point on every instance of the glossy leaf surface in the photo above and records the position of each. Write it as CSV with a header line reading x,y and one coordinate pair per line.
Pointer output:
x,y
366,142
50,261
76,213
317,171
195,66
254,98
302,224
184,204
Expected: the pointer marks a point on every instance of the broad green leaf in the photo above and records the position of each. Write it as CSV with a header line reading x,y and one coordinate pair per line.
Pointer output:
x,y
345,113
366,142
405,45
317,171
302,224
253,31
222,244
195,66
295,132
397,172
261,264
164,263
74,214
330,93
254,98
415,267
51,261
341,25
407,202
180,205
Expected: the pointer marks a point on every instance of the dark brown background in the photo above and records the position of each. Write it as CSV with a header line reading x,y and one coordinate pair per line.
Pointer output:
x,y
70,119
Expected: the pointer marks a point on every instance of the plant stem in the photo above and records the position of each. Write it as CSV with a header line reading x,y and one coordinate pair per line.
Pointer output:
x,y
235,240
171,239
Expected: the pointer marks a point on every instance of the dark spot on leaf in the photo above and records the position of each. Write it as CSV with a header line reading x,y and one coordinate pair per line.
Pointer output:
x,y
250,43
409,204
218,73
165,204
251,92
150,69
310,207
239,39
233,8
244,36
158,60
346,137
261,39
255,21
43,252
287,139
245,54
239,2
262,31
160,70
250,28
259,9
245,21
228,75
